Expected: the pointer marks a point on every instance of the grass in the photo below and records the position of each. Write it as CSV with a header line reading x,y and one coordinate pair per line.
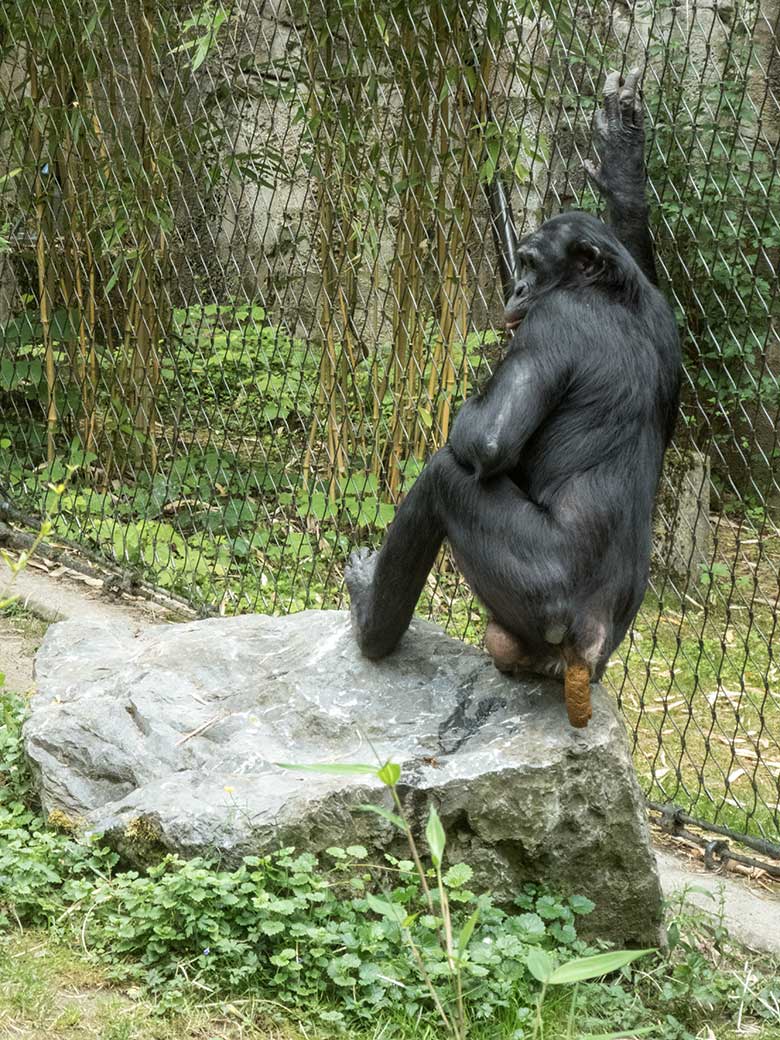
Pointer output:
x,y
699,684
52,992
48,991
24,622
698,697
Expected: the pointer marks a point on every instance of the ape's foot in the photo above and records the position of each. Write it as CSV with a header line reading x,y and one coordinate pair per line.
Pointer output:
x,y
359,572
505,648
576,684
359,576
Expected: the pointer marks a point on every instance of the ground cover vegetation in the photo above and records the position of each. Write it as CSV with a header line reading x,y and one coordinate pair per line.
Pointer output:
x,y
288,945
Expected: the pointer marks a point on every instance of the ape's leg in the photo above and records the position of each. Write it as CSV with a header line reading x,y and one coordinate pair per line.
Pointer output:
x,y
384,586
508,549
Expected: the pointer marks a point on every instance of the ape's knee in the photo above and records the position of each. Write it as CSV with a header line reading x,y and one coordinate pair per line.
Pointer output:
x,y
445,477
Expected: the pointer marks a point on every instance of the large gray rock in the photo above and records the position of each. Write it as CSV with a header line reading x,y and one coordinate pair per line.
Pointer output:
x,y
166,739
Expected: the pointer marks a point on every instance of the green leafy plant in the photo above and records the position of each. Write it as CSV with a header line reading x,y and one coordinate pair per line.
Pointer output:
x,y
543,967
331,938
454,945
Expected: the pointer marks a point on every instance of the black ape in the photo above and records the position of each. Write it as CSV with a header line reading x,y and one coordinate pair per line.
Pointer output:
x,y
545,489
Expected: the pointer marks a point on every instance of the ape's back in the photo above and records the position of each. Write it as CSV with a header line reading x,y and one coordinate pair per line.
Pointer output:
x,y
607,435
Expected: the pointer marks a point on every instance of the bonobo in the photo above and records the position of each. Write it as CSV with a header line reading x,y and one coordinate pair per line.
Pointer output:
x,y
545,489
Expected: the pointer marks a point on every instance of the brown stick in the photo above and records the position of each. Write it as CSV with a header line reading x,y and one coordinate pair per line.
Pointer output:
x,y
576,684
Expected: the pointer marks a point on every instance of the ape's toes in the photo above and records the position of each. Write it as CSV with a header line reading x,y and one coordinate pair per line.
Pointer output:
x,y
359,556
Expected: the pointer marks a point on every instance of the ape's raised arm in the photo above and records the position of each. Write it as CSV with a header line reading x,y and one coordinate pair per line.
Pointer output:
x,y
619,140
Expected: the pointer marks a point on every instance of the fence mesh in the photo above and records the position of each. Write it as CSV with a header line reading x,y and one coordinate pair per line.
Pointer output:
x,y
247,275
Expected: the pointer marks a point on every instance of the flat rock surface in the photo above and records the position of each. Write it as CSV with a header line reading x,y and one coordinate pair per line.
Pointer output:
x,y
167,739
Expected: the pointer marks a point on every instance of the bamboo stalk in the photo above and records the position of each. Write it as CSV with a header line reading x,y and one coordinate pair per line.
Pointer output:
x,y
441,363
324,225
408,332
92,366
142,322
44,275
63,159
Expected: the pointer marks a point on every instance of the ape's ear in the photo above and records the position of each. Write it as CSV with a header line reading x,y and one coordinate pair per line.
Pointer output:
x,y
586,256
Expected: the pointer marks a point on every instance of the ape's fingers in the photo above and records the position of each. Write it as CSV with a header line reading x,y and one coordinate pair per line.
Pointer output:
x,y
611,105
639,112
631,108
631,84
600,127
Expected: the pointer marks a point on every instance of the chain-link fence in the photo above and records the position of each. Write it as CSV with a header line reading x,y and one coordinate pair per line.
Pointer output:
x,y
248,274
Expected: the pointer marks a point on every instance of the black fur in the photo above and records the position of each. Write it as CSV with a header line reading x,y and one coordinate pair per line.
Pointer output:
x,y
545,490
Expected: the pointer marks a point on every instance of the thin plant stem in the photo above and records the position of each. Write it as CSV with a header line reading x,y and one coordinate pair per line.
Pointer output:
x,y
415,854
572,1009
538,1021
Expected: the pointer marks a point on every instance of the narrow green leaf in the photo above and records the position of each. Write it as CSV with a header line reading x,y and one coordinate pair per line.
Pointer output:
x,y
466,933
201,52
594,967
385,813
540,964
389,774
437,839
336,768
10,175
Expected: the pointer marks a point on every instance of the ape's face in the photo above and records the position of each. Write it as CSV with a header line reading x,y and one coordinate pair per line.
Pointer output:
x,y
525,290
560,252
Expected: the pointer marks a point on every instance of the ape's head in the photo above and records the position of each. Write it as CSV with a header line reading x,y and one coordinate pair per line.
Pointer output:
x,y
569,250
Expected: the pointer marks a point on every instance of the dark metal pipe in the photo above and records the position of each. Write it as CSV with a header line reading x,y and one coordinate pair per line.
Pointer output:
x,y
504,234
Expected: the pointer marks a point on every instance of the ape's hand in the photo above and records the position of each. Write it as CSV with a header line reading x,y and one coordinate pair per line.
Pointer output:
x,y
619,141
